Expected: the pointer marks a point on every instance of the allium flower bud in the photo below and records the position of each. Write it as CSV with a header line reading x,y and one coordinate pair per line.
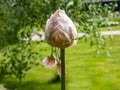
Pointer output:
x,y
60,31
49,61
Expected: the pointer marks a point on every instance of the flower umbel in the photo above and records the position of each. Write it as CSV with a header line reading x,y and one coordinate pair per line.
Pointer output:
x,y
49,61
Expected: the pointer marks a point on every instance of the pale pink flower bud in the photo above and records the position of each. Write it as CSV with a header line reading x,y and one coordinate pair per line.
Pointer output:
x,y
59,69
49,61
74,43
60,30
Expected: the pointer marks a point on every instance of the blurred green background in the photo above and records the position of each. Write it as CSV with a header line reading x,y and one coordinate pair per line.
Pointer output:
x,y
93,64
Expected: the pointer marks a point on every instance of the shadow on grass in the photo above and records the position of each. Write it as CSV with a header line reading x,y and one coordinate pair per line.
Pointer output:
x,y
53,84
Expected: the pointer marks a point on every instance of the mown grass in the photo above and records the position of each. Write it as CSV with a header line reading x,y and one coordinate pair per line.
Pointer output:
x,y
116,19
117,27
85,69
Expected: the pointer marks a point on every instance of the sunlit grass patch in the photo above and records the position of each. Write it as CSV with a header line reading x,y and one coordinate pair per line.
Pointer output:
x,y
85,70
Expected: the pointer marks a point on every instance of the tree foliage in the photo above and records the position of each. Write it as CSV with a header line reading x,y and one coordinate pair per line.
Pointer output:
x,y
18,14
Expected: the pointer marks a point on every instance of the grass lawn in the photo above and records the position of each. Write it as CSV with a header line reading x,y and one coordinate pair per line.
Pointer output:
x,y
116,27
111,27
116,19
85,69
